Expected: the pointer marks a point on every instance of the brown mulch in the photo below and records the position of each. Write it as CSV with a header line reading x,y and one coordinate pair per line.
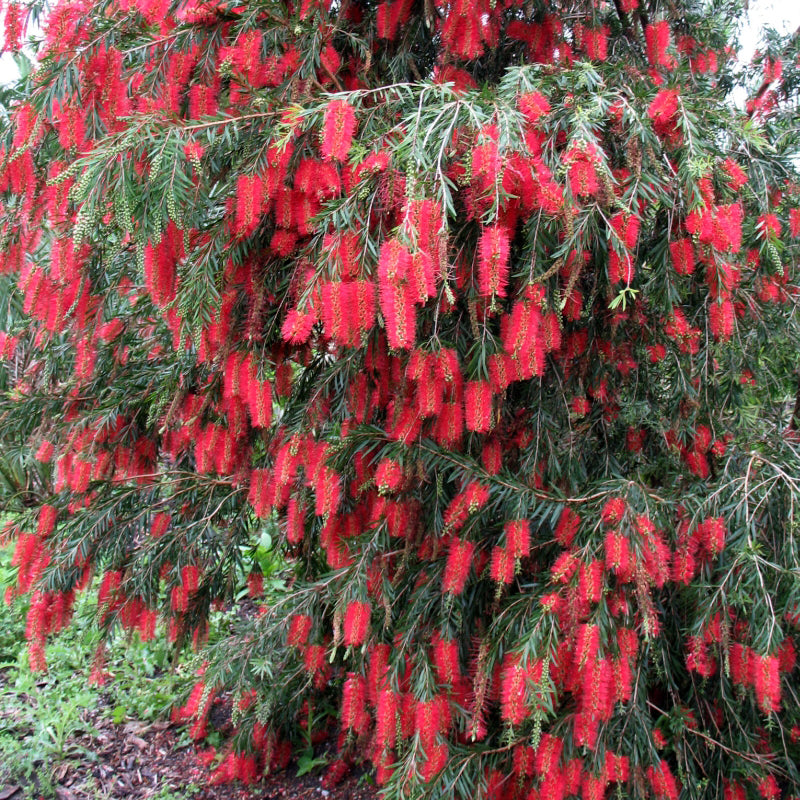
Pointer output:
x,y
136,761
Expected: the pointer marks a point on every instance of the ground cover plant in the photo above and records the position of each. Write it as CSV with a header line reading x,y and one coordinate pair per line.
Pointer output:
x,y
479,320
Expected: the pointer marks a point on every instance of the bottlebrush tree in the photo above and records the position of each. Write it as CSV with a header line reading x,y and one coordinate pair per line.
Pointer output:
x,y
488,311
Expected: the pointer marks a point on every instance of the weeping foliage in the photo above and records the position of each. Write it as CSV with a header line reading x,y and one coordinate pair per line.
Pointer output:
x,y
487,311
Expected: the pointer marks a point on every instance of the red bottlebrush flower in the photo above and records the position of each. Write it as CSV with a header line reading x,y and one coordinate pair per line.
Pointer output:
x,y
711,534
663,111
725,232
663,782
459,563
422,281
626,227
338,128
580,406
564,567
623,680
593,787
620,268
472,499
518,537
616,768
249,197
259,402
297,326
613,511
523,761
595,43
587,644
657,37
446,662
388,476
397,305
581,170
766,680
386,719
255,584
721,320
737,177
733,791
567,527
437,755
698,658
769,225
283,242
768,788
328,492
684,564
548,755
391,16
299,629
486,162
697,463
430,392
46,520
356,623
431,717
478,406
787,656
521,332
314,658
590,581
513,691
617,555
739,658
295,521
15,22
702,438
494,248
533,106
794,222
406,426
502,566
492,456
354,701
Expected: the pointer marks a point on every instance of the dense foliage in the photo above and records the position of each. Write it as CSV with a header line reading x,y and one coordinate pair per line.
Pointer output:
x,y
486,312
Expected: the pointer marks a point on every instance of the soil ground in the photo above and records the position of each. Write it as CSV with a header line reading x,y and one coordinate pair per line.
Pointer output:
x,y
138,761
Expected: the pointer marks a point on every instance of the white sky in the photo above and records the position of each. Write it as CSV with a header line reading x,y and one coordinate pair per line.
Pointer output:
x,y
784,15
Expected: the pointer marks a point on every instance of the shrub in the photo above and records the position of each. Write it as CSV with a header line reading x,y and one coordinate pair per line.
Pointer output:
x,y
487,313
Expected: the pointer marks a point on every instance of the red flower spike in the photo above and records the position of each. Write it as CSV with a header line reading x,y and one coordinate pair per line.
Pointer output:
x,y
339,126
548,755
494,248
613,511
356,623
478,406
518,537
459,563
354,701
513,691
502,566
446,661
299,629
663,782
567,527
534,106
385,719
